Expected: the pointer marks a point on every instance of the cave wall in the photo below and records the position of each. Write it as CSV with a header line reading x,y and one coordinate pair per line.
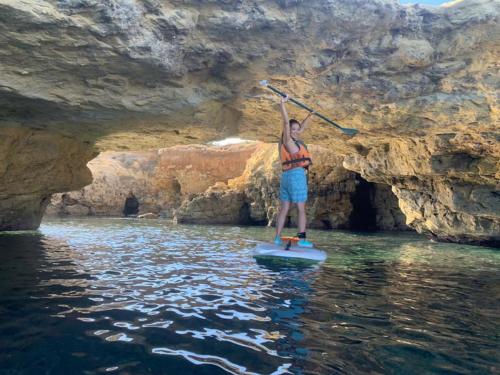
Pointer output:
x,y
236,184
144,75
449,192
34,164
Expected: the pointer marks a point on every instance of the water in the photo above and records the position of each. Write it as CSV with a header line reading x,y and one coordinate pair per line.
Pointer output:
x,y
143,297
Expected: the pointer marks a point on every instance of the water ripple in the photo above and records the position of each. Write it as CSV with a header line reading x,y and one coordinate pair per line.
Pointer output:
x,y
144,297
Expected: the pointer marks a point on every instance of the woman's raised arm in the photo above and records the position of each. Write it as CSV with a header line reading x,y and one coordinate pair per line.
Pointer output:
x,y
304,123
284,116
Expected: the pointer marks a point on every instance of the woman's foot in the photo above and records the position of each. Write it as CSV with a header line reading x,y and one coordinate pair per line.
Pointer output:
x,y
277,241
304,243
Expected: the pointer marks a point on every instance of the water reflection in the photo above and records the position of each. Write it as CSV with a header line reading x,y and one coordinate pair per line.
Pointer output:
x,y
405,308
192,298
128,296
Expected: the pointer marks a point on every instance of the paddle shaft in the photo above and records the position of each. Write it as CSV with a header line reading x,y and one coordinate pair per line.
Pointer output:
x,y
301,105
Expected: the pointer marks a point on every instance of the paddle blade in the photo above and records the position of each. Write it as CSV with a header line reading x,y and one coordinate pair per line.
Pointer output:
x,y
264,82
349,131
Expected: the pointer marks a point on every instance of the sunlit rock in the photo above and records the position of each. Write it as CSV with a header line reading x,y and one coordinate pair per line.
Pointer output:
x,y
161,180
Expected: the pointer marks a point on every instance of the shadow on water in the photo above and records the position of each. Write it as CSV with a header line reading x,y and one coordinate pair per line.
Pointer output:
x,y
294,289
276,264
29,326
406,308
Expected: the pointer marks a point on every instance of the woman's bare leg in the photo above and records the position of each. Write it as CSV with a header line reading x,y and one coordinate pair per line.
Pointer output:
x,y
301,208
280,221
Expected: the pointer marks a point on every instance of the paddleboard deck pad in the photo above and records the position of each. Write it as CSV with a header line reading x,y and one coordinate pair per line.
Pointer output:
x,y
286,251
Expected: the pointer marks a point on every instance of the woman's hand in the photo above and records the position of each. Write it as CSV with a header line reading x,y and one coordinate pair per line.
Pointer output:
x,y
284,114
304,123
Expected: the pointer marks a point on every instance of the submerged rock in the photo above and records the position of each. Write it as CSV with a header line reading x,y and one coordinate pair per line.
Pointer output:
x,y
149,215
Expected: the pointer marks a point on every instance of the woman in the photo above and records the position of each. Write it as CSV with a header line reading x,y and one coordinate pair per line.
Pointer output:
x,y
295,159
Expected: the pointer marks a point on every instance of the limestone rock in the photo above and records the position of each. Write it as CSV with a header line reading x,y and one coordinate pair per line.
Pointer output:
x,y
33,165
146,75
160,180
412,53
450,191
253,197
226,185
330,187
389,215
214,207
195,168
131,75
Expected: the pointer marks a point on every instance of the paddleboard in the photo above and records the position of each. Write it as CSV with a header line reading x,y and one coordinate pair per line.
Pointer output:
x,y
289,250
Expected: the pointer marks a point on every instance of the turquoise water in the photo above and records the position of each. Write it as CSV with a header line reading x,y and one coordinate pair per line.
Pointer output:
x,y
125,296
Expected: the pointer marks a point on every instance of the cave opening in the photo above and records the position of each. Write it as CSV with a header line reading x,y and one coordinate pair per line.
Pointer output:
x,y
364,213
375,207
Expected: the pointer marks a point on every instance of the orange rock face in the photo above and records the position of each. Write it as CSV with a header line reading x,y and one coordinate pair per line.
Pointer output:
x,y
193,169
161,179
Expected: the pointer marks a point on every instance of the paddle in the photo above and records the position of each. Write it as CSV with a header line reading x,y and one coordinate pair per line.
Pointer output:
x,y
348,131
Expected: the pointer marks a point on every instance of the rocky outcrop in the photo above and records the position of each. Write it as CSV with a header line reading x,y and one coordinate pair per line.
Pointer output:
x,y
33,165
451,191
218,205
330,187
388,214
236,184
160,180
142,75
253,197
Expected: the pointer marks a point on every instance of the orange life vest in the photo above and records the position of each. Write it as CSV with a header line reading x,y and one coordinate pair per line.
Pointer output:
x,y
301,159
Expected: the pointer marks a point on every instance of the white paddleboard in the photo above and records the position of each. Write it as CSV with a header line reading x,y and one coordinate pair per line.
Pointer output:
x,y
272,250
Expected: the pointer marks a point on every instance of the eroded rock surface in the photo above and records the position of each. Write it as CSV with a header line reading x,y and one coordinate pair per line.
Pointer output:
x,y
142,75
34,164
161,180
236,184
450,190
176,71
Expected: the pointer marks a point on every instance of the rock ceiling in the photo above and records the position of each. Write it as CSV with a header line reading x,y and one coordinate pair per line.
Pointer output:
x,y
420,83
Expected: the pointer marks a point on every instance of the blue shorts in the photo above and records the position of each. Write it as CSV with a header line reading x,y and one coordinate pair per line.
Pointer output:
x,y
293,187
